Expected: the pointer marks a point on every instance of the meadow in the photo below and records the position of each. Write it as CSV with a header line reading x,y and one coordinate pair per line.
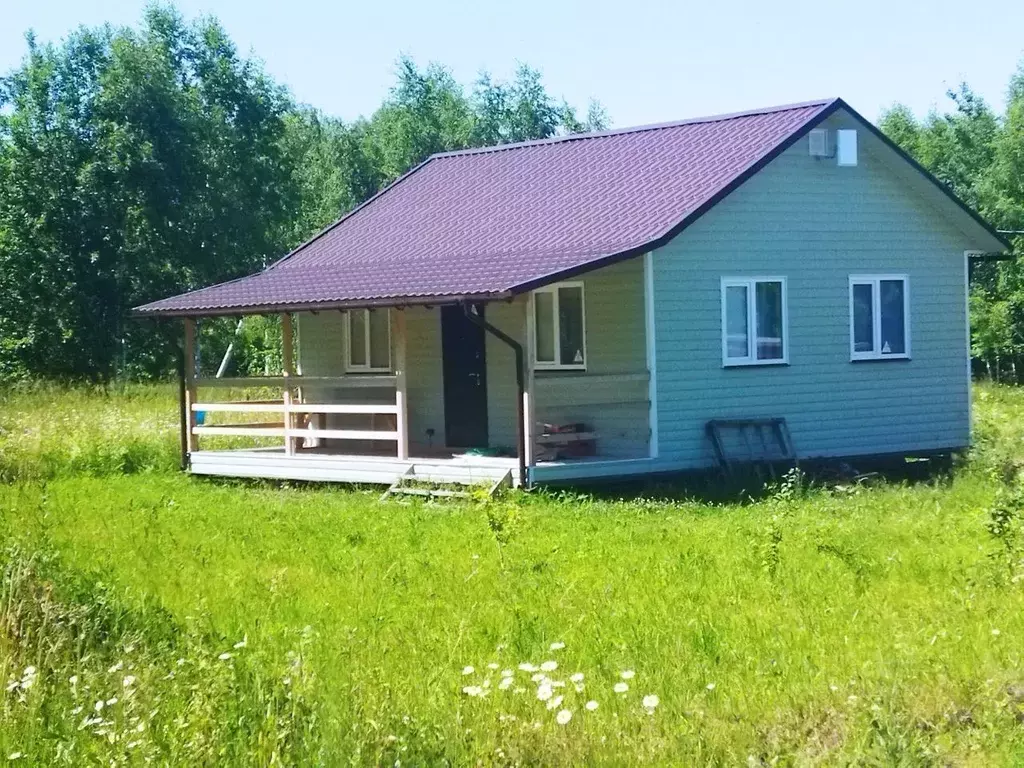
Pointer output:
x,y
150,617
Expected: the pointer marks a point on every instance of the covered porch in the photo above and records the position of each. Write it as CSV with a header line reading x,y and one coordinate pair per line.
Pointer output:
x,y
465,392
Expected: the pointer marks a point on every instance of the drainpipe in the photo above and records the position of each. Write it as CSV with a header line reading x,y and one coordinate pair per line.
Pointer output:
x,y
517,348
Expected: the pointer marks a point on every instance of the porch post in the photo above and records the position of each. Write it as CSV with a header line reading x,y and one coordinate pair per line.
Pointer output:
x,y
287,371
401,394
189,378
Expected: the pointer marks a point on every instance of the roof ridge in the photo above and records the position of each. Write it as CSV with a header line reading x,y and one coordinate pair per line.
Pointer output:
x,y
637,128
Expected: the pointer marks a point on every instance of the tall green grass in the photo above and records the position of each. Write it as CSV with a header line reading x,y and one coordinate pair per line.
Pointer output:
x,y
846,625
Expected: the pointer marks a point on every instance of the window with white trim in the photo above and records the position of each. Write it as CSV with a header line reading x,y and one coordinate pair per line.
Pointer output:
x,y
754,322
369,340
559,327
879,317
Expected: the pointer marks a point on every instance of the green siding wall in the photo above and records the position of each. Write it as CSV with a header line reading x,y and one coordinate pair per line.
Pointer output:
x,y
816,223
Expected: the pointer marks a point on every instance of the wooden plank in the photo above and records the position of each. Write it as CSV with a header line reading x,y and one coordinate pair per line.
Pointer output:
x,y
190,383
360,381
240,431
288,371
565,438
401,392
345,408
254,407
345,434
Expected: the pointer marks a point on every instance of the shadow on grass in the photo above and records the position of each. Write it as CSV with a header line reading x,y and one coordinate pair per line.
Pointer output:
x,y
751,484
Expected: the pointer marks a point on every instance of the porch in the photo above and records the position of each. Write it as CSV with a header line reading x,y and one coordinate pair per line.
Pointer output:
x,y
454,393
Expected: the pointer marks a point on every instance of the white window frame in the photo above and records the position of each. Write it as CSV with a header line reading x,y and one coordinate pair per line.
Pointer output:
x,y
875,281
750,283
555,365
350,367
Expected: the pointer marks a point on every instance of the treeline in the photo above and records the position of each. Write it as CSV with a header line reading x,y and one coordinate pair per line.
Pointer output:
x,y
140,162
980,154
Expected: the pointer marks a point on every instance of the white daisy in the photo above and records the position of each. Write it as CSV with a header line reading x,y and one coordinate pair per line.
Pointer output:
x,y
555,703
563,717
591,705
621,687
549,666
577,678
628,674
557,646
467,670
651,703
544,692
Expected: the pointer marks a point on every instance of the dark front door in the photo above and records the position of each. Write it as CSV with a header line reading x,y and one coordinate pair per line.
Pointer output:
x,y
465,380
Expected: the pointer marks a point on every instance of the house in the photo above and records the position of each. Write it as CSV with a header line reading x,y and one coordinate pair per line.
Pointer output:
x,y
635,284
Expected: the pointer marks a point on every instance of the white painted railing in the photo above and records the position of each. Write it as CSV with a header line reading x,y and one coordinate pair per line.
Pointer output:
x,y
283,430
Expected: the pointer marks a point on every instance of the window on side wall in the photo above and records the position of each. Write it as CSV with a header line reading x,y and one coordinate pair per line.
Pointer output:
x,y
369,340
879,317
559,328
754,322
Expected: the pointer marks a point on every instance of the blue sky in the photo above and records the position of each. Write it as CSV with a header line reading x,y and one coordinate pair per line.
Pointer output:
x,y
645,61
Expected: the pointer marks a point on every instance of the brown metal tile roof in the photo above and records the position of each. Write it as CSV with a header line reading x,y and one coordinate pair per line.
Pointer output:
x,y
490,223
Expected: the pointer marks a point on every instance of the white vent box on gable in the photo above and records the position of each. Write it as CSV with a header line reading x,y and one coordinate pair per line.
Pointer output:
x,y
818,139
846,146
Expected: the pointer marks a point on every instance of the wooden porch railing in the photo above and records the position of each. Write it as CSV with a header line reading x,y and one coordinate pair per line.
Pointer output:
x,y
290,406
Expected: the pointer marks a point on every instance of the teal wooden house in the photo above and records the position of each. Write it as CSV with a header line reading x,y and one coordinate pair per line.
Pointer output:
x,y
582,307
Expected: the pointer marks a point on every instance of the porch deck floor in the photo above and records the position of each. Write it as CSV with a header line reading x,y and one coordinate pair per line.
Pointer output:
x,y
318,464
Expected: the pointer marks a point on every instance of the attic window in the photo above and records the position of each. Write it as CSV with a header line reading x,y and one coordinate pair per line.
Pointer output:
x,y
559,328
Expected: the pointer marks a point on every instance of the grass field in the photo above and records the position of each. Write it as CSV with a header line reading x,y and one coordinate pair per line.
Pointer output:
x,y
150,616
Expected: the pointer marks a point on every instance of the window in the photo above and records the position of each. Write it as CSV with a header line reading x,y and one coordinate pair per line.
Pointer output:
x,y
369,340
879,317
754,321
559,327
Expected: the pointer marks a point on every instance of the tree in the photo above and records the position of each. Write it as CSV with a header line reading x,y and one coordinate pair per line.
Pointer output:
x,y
133,164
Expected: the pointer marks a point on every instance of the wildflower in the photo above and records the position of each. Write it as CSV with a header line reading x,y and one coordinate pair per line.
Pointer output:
x,y
224,656
711,686
15,756
549,666
467,670
556,702
242,643
181,662
621,687
591,705
129,681
112,701
99,705
544,692
558,683
577,678
557,646
116,668
73,680
995,633
563,717
651,703
492,665
628,674
507,673
505,684
539,677
528,667
473,690
476,557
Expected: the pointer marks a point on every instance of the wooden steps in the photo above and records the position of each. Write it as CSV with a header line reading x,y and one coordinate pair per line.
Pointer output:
x,y
413,483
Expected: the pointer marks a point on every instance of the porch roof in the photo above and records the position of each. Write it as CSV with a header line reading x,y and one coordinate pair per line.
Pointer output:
x,y
490,223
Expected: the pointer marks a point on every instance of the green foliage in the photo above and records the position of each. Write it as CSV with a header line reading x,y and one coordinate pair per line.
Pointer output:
x,y
91,680
874,627
133,163
980,156
139,163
